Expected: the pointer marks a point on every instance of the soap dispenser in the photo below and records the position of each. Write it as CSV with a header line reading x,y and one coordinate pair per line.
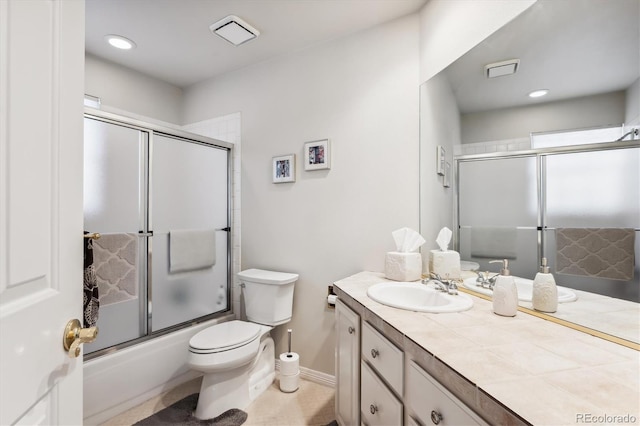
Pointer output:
x,y
545,291
505,293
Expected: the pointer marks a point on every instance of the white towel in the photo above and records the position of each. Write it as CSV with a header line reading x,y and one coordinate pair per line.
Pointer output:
x,y
191,249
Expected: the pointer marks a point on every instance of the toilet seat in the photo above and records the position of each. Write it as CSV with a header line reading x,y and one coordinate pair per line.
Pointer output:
x,y
224,337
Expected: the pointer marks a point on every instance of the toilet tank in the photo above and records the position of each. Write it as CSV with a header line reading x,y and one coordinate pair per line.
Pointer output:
x,y
268,295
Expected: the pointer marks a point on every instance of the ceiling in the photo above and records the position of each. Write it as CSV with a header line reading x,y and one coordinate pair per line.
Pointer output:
x,y
174,43
572,48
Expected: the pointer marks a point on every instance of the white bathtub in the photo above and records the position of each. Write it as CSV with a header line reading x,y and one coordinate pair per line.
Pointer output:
x,y
117,382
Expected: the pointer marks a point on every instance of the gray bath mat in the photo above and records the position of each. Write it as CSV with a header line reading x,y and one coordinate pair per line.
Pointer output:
x,y
180,413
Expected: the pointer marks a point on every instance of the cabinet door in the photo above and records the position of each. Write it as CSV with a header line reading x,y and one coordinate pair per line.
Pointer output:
x,y
379,405
431,403
383,356
347,399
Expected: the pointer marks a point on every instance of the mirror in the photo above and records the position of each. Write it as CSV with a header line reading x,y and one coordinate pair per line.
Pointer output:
x,y
587,55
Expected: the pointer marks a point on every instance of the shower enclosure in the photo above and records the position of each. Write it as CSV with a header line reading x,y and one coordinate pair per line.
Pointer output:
x,y
516,206
141,182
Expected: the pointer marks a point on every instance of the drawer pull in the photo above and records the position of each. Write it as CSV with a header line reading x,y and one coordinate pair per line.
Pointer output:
x,y
436,417
374,353
373,409
352,330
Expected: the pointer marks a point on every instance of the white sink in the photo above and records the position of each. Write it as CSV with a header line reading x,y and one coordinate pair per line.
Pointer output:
x,y
525,289
415,296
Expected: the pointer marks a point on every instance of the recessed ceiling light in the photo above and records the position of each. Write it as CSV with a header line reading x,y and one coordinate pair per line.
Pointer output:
x,y
538,93
499,69
234,30
119,42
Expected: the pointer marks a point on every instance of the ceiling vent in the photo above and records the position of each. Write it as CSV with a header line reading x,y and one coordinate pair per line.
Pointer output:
x,y
499,69
234,30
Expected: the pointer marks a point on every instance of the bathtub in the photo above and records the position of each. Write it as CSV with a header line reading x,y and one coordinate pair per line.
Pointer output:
x,y
116,382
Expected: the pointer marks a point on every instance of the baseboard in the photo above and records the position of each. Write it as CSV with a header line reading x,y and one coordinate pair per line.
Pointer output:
x,y
313,376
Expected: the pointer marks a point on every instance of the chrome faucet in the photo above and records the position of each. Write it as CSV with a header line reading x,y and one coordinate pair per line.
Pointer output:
x,y
485,281
447,286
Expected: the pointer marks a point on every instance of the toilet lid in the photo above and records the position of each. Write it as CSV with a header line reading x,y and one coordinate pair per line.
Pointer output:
x,y
225,336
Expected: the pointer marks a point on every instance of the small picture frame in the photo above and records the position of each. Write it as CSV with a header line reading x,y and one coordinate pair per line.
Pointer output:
x,y
441,159
284,168
446,180
317,155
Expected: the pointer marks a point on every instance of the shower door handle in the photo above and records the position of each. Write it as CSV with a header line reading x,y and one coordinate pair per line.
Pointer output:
x,y
75,335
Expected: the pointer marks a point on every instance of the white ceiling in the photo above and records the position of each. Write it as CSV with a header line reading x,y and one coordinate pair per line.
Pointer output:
x,y
174,42
571,47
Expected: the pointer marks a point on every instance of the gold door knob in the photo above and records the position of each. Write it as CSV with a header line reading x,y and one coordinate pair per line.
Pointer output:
x,y
75,335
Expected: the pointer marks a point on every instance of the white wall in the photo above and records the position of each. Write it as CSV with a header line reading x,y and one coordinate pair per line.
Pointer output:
x,y
512,123
439,125
361,92
122,89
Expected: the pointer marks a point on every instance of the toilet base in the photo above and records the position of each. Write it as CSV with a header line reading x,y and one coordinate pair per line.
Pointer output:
x,y
237,388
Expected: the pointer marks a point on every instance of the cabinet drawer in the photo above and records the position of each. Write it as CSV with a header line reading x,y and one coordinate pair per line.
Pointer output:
x,y
428,400
384,356
378,405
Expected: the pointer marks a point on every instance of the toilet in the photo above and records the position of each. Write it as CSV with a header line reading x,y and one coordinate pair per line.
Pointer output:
x,y
238,357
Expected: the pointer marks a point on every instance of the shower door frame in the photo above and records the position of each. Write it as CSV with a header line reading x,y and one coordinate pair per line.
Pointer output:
x,y
146,224
540,156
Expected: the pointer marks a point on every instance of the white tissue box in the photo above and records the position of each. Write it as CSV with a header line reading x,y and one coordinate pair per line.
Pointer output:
x,y
403,266
445,263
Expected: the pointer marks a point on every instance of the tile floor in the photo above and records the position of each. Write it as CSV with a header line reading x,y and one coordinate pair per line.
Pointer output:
x,y
311,404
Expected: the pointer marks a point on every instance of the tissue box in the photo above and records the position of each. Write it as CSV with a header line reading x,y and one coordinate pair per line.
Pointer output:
x,y
403,266
445,263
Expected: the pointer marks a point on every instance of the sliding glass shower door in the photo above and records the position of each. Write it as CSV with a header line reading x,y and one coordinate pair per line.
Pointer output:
x,y
498,213
140,185
115,206
189,192
579,209
597,192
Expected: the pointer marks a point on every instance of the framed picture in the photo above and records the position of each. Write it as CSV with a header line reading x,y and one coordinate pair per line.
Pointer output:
x,y
446,181
317,155
284,168
441,159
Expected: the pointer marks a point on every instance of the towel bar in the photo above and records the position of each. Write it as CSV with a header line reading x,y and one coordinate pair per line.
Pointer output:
x,y
93,235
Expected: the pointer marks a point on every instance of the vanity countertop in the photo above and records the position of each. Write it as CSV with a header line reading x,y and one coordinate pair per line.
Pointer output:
x,y
543,372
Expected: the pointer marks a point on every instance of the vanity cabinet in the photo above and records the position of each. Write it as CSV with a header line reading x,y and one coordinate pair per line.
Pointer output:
x,y
428,402
378,384
347,397
382,379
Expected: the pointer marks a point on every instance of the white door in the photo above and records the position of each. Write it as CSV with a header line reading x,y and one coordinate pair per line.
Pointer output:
x,y
41,95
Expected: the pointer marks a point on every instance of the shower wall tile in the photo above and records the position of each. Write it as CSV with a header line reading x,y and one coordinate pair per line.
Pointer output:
x,y
518,144
227,128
